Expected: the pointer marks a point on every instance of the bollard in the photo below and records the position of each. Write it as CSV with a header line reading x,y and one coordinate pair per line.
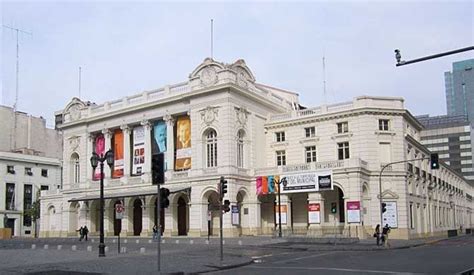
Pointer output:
x,y
191,241
142,250
240,242
60,247
125,241
113,241
123,250
163,241
74,248
207,241
33,246
150,241
89,248
137,241
223,242
177,241
46,246
106,249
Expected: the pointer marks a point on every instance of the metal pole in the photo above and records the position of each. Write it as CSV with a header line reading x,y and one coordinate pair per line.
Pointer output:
x,y
119,241
158,221
401,63
221,230
102,245
279,209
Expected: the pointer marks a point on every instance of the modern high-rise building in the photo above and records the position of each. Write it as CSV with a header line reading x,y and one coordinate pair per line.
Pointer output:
x,y
453,139
460,89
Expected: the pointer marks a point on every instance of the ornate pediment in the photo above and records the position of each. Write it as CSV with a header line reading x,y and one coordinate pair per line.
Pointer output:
x,y
389,194
73,109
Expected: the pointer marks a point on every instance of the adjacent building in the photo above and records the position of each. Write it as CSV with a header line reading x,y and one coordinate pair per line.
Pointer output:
x,y
29,163
460,89
325,162
452,138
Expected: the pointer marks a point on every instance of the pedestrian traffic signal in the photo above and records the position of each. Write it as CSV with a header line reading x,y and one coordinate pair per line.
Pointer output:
x,y
434,161
384,207
223,188
164,201
158,168
333,207
226,206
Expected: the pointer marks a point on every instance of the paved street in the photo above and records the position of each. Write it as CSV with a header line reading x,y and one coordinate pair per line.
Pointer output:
x,y
249,255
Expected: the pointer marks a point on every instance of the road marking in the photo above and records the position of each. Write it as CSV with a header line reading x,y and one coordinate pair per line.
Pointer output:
x,y
334,269
306,257
262,256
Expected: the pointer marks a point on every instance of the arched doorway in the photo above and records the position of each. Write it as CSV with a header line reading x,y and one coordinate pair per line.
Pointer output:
x,y
213,207
182,216
137,217
117,222
334,209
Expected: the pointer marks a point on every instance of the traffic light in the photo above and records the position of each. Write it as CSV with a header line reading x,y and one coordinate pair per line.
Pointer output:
x,y
434,161
164,201
384,207
223,186
333,207
226,206
158,168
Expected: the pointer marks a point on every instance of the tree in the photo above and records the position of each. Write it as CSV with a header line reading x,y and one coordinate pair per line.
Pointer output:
x,y
34,212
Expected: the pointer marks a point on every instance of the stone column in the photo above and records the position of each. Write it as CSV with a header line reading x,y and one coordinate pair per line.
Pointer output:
x,y
169,143
286,228
254,217
171,227
126,153
315,229
146,176
108,140
145,219
198,219
124,230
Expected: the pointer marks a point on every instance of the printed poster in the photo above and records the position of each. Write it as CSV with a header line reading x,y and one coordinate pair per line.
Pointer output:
x,y
99,147
284,211
235,215
159,139
353,211
308,182
390,216
118,154
138,157
183,143
314,210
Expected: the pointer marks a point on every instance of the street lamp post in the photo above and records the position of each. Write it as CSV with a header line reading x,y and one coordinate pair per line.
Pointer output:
x,y
95,159
282,180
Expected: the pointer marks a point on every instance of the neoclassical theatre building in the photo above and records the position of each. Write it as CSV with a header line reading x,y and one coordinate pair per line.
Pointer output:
x,y
325,162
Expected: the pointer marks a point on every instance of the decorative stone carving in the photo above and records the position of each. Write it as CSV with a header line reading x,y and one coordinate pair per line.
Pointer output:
x,y
74,142
241,78
74,109
75,112
209,114
242,115
208,76
169,119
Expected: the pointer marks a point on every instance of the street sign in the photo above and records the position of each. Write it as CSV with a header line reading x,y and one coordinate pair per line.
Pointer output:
x,y
119,211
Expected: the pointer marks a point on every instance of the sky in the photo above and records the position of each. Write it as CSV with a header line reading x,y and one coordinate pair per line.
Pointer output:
x,y
126,47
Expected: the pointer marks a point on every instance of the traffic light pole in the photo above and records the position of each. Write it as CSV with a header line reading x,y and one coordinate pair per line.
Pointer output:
x,y
380,183
158,226
221,230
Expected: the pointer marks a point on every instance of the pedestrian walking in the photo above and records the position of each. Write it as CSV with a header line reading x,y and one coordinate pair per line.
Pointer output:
x,y
85,231
385,232
377,234
155,232
81,233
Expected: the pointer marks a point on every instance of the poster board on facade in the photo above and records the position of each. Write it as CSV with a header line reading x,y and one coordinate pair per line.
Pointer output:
x,y
99,149
159,140
390,216
183,143
119,211
118,154
138,157
235,215
314,213
284,211
353,211
308,182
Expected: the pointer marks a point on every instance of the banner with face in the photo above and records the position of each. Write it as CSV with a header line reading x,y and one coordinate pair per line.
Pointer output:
x,y
183,143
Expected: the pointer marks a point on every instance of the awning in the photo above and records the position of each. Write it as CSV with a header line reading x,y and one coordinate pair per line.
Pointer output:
x,y
115,195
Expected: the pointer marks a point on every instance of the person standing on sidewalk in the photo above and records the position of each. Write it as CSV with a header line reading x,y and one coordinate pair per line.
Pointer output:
x,y
81,233
155,232
377,234
85,231
385,232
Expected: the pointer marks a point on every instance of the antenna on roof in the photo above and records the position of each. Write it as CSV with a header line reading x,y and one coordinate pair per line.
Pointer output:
x,y
212,38
324,79
80,71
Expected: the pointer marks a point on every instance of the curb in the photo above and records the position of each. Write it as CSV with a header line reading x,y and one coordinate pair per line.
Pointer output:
x,y
216,267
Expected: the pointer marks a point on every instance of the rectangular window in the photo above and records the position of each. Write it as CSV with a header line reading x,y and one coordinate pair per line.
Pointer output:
x,y
310,154
27,202
281,158
310,132
343,150
280,136
383,124
44,187
44,173
28,171
10,169
342,127
10,196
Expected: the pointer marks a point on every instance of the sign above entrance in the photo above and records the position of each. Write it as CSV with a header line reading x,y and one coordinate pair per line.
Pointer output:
x,y
308,182
119,211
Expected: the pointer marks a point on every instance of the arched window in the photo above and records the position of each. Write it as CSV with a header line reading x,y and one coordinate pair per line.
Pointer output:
x,y
211,148
240,148
75,168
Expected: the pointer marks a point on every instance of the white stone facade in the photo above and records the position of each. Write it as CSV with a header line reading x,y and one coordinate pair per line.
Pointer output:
x,y
245,115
